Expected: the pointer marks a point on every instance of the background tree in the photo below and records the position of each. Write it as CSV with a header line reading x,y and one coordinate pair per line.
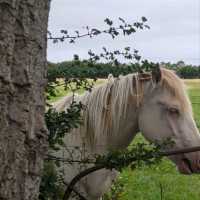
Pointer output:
x,y
23,134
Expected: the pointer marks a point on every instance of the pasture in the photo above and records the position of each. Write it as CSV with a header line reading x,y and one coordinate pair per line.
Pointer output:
x,y
160,182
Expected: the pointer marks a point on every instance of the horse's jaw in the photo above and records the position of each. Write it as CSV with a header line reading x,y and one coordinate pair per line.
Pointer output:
x,y
184,167
187,163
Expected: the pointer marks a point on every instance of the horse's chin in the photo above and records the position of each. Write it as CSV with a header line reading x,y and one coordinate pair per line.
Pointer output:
x,y
183,164
184,167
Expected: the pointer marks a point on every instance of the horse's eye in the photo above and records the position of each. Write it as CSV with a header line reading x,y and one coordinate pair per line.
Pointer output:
x,y
173,111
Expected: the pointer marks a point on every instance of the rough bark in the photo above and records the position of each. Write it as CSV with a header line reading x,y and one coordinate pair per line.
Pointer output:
x,y
23,135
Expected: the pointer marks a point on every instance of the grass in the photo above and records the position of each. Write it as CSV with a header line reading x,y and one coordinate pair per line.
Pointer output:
x,y
193,87
61,91
146,183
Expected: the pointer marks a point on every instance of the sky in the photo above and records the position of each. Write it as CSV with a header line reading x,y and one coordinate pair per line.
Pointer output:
x,y
174,34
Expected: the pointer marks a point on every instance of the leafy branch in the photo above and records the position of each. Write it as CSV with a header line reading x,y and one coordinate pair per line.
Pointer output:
x,y
60,123
124,28
112,56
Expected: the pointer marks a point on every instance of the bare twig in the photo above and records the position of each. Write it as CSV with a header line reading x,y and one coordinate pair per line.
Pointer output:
x,y
65,160
180,151
78,178
81,197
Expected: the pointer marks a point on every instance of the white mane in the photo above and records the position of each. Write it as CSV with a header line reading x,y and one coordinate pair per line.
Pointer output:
x,y
106,107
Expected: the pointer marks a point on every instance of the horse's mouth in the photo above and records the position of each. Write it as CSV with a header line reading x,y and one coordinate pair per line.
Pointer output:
x,y
185,166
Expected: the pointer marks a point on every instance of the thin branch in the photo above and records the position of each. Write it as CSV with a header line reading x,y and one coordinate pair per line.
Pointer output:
x,y
90,161
75,191
180,151
78,178
86,161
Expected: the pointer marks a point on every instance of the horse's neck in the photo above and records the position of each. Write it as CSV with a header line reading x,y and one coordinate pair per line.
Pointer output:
x,y
127,129
123,132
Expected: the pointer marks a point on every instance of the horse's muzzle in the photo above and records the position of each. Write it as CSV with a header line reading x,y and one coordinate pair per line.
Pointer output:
x,y
189,164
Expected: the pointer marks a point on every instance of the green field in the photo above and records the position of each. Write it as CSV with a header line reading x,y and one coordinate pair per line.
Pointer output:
x,y
146,183
61,91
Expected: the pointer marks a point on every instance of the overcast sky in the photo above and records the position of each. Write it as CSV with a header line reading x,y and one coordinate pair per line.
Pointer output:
x,y
174,33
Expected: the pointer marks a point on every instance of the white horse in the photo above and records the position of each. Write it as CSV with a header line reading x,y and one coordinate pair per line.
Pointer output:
x,y
155,104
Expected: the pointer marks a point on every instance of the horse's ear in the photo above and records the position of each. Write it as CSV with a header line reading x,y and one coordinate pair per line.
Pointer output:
x,y
156,74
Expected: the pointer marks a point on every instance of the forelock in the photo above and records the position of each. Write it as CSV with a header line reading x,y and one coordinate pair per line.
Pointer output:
x,y
171,82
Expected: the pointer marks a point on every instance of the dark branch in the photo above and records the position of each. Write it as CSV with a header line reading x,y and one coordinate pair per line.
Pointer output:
x,y
180,151
90,161
65,160
81,197
78,178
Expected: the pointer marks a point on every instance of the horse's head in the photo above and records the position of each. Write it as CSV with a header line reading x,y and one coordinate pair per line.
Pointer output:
x,y
166,112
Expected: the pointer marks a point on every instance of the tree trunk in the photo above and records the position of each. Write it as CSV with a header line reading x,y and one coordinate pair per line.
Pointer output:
x,y
23,135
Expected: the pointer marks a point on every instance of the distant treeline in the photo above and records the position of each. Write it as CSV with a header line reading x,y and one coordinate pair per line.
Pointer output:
x,y
83,69
183,70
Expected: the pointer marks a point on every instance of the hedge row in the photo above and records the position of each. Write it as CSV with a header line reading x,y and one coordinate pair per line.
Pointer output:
x,y
85,69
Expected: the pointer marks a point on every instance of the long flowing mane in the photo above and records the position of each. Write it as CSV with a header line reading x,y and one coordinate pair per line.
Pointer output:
x,y
108,104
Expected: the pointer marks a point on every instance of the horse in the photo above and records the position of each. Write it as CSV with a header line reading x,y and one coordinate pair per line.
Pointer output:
x,y
154,103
